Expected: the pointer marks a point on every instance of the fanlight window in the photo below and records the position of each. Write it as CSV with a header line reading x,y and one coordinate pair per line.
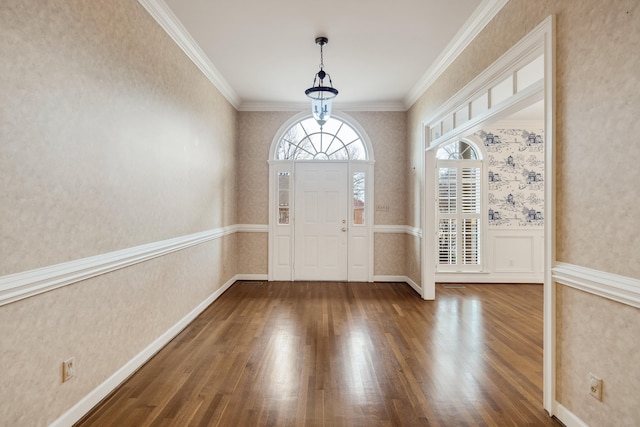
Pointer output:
x,y
306,140
457,150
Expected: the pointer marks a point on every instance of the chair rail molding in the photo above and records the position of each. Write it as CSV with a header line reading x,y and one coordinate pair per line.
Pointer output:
x,y
397,229
14,287
625,290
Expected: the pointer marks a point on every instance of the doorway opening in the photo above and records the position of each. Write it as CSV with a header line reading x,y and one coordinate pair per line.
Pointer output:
x,y
520,78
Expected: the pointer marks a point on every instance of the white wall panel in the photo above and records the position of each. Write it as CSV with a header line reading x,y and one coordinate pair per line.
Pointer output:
x,y
513,254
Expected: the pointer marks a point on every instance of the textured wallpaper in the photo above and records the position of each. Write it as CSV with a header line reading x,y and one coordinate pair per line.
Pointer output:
x,y
389,254
413,254
584,323
110,138
388,134
253,249
256,132
103,322
598,112
597,87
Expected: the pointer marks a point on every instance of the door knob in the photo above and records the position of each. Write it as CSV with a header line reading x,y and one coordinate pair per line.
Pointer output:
x,y
344,228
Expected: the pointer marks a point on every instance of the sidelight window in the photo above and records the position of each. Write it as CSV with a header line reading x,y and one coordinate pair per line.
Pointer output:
x,y
358,198
284,185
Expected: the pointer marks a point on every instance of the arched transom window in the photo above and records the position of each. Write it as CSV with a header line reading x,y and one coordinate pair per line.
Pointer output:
x,y
457,150
306,140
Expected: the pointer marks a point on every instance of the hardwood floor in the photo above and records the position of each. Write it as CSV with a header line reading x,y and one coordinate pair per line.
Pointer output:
x,y
345,354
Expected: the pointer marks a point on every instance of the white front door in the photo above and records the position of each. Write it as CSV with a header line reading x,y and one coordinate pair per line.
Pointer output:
x,y
321,234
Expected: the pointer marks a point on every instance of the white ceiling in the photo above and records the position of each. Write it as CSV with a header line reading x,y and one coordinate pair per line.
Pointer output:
x,y
380,53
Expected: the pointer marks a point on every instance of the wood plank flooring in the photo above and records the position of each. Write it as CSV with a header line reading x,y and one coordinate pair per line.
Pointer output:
x,y
345,354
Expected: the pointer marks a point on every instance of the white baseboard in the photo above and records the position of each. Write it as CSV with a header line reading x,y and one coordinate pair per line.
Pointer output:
x,y
414,285
252,277
389,278
485,277
92,399
405,279
568,418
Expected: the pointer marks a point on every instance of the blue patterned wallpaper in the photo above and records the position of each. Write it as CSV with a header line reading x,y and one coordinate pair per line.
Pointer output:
x,y
515,167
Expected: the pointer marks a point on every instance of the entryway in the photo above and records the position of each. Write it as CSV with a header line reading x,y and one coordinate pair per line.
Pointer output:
x,y
321,202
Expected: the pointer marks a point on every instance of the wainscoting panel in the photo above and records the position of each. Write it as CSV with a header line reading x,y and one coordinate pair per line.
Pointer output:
x,y
510,256
513,254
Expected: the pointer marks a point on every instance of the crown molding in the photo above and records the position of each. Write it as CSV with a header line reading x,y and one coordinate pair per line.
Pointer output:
x,y
487,10
163,15
274,106
178,33
370,106
302,106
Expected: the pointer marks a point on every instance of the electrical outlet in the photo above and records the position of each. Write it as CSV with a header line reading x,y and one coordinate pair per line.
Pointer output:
x,y
68,369
595,386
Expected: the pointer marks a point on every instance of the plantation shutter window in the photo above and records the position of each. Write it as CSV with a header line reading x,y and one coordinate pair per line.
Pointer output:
x,y
458,208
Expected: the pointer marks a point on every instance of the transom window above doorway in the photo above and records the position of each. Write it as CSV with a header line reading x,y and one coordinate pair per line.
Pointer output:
x,y
306,140
457,150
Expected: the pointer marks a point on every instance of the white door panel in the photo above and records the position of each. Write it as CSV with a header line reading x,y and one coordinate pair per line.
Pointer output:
x,y
320,218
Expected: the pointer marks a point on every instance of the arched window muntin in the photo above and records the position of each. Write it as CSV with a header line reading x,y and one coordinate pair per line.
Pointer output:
x,y
459,150
337,140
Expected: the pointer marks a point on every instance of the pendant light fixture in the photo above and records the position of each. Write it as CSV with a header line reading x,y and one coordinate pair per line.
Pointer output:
x,y
321,95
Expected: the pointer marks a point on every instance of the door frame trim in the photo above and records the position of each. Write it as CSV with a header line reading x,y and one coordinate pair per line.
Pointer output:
x,y
541,40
